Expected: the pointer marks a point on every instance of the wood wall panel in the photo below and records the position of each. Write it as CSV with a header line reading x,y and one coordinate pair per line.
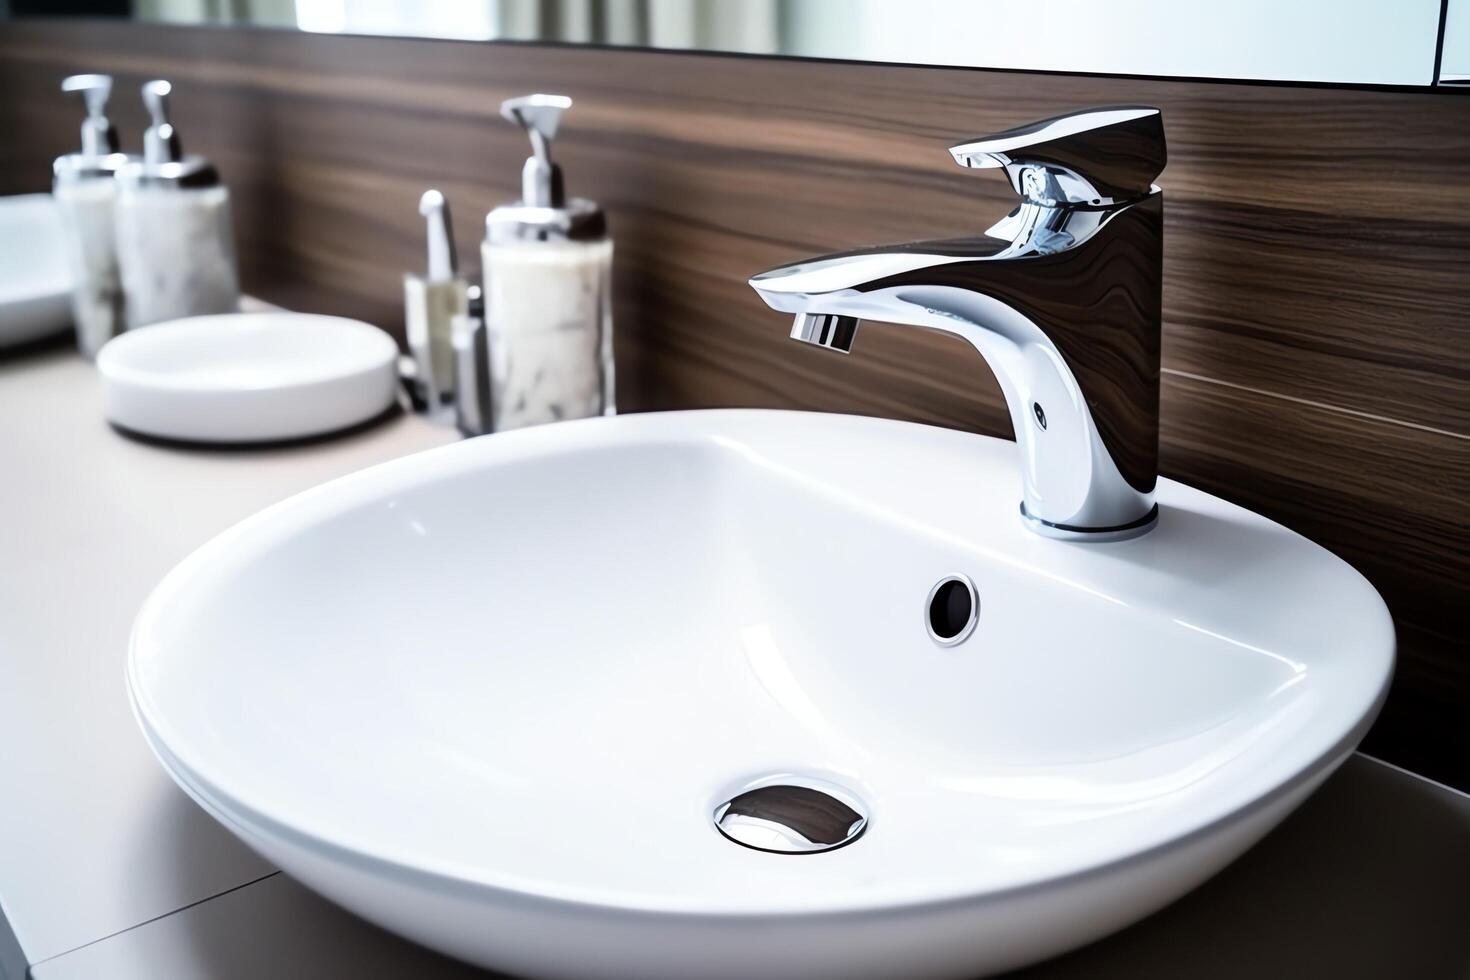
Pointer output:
x,y
1317,290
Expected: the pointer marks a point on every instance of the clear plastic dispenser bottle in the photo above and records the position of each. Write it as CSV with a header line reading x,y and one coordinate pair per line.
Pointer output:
x,y
547,264
85,189
176,249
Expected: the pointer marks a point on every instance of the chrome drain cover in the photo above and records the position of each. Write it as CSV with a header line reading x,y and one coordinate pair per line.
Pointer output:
x,y
786,818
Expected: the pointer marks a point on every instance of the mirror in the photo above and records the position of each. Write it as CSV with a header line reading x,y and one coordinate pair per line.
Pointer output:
x,y
1355,42
1454,65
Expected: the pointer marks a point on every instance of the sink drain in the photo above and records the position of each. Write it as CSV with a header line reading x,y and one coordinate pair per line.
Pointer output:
x,y
784,818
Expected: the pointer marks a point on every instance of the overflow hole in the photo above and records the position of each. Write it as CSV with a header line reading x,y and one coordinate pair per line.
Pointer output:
x,y
952,610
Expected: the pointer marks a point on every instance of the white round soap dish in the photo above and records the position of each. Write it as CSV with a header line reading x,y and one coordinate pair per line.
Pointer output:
x,y
248,377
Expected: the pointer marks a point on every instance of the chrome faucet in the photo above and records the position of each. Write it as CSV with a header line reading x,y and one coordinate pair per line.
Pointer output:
x,y
1062,300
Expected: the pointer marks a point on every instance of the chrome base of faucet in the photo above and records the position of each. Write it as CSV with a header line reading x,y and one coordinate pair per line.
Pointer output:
x,y
1068,532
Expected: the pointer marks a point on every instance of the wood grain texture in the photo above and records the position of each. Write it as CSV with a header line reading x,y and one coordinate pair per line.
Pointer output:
x,y
1317,253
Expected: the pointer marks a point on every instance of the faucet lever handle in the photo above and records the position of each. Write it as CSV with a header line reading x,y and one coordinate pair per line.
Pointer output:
x,y
1105,155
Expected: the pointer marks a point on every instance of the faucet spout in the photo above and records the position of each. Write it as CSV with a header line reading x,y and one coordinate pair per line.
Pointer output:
x,y
830,330
1062,300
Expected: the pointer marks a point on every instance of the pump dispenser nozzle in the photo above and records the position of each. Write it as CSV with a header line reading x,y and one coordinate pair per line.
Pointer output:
x,y
544,212
160,140
539,116
164,162
99,135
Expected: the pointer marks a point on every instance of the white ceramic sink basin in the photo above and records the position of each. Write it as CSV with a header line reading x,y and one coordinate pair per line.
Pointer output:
x,y
490,696
35,281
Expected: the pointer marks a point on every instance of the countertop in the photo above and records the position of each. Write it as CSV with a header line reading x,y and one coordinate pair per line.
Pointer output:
x,y
108,870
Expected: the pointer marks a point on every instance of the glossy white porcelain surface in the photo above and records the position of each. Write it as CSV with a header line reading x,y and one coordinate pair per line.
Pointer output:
x,y
248,377
488,696
35,282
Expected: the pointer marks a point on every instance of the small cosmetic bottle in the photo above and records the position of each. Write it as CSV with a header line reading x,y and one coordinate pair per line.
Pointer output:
x,y
175,243
547,264
85,189
430,304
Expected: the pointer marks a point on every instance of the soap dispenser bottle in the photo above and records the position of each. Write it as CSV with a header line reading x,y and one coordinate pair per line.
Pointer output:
x,y
176,250
547,263
85,189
